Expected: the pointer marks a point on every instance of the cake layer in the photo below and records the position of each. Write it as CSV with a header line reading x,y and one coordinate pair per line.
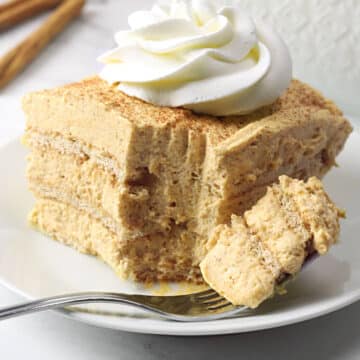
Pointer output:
x,y
74,110
151,170
175,176
143,203
249,258
88,177
239,203
144,259
82,179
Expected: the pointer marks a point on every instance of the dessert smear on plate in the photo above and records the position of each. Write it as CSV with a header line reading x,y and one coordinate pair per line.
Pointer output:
x,y
194,156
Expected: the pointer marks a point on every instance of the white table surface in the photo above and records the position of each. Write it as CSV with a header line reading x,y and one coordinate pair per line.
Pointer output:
x,y
49,335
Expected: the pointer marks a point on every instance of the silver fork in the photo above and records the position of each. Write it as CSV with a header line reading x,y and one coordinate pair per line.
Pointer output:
x,y
202,306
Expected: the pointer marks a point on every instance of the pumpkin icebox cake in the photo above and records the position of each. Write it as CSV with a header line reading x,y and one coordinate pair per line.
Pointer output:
x,y
154,164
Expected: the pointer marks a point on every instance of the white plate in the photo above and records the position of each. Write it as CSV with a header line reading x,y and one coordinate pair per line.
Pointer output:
x,y
36,266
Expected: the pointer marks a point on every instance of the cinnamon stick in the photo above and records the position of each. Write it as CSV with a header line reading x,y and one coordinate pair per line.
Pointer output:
x,y
10,4
20,56
19,10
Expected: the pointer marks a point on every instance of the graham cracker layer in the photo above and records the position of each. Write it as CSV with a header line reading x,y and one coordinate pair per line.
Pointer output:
x,y
144,259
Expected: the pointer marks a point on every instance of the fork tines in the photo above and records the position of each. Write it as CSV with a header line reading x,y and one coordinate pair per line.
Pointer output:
x,y
211,299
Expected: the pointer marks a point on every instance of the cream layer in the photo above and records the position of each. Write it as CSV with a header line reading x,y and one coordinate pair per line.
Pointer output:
x,y
148,258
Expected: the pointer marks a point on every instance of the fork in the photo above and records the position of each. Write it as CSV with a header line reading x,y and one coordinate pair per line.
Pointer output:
x,y
202,306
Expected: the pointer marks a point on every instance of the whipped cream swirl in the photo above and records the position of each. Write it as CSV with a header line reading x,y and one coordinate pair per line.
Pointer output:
x,y
194,54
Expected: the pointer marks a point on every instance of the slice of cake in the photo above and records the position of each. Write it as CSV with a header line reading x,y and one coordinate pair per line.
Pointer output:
x,y
143,186
271,241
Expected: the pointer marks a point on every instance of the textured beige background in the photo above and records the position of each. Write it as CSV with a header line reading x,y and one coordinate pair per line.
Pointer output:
x,y
324,40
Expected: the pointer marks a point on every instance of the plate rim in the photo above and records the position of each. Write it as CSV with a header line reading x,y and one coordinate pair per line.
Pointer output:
x,y
192,329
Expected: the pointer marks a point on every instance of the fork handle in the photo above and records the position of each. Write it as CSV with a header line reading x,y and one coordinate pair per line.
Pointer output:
x,y
59,301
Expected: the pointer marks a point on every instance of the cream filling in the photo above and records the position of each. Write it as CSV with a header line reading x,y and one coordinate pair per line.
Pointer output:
x,y
107,221
65,146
